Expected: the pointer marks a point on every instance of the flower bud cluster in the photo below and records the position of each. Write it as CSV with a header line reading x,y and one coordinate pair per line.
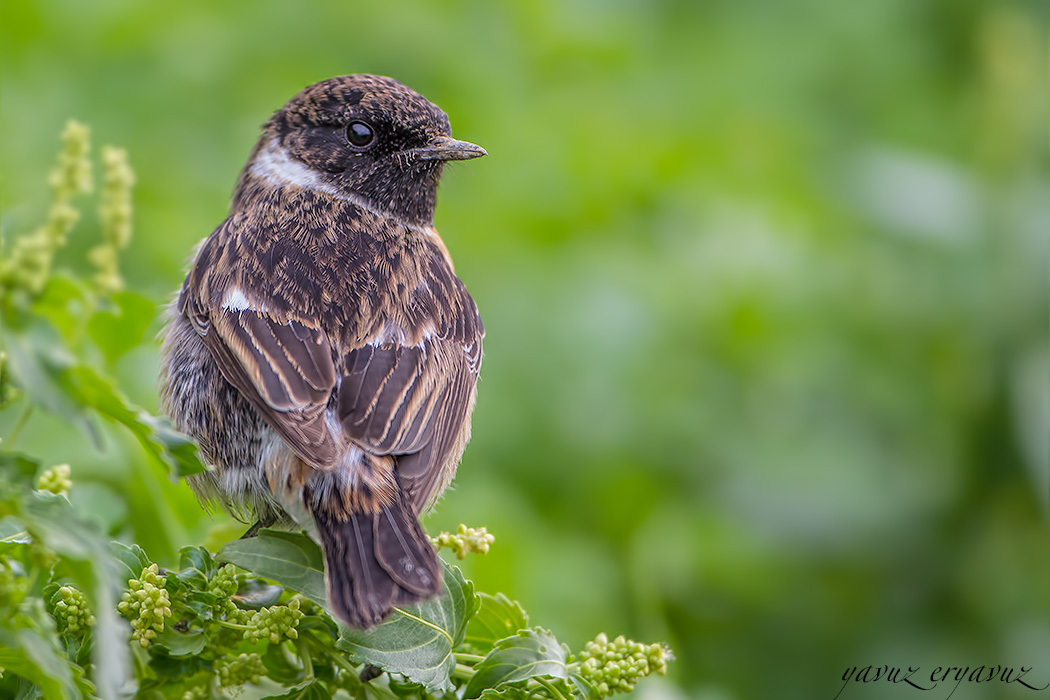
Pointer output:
x,y
28,263
71,611
223,585
240,670
56,480
114,212
146,604
73,173
615,667
466,540
275,622
224,582
196,693
9,393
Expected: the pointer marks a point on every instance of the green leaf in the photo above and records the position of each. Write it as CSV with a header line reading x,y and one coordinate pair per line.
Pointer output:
x,y
33,653
417,641
402,688
497,618
38,358
131,561
64,302
121,323
197,557
196,566
54,379
172,669
28,691
170,447
52,520
312,690
23,467
117,325
256,594
200,603
13,534
182,643
32,656
530,653
86,556
583,687
321,624
279,667
291,559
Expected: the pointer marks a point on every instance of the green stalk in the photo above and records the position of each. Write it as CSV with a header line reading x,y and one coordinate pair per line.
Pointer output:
x,y
551,688
16,429
308,662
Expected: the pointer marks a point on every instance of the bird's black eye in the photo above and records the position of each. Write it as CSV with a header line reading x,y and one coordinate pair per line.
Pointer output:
x,y
359,134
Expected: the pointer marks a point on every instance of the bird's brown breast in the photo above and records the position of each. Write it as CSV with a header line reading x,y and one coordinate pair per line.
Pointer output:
x,y
333,265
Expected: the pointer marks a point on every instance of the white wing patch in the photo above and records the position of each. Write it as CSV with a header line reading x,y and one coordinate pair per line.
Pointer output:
x,y
236,301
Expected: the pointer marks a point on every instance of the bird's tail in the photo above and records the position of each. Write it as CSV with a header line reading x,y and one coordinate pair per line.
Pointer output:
x,y
375,561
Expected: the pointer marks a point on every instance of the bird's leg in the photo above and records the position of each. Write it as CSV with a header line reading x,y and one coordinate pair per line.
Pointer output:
x,y
264,521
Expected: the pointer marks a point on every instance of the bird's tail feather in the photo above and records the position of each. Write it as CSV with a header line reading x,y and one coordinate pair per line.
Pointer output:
x,y
375,561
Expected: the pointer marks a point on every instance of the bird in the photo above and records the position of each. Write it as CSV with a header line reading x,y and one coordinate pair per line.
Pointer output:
x,y
322,351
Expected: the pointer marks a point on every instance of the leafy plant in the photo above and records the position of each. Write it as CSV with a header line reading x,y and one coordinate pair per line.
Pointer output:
x,y
84,617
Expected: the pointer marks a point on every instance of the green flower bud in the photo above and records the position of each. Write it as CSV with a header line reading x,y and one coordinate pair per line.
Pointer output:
x,y
114,212
465,540
224,582
196,693
55,480
246,668
616,666
27,265
275,622
146,604
71,612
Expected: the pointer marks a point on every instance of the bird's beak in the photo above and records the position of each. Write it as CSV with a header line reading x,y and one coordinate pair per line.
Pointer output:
x,y
447,148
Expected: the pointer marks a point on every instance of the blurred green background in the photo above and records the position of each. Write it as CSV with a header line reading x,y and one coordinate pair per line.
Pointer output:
x,y
766,371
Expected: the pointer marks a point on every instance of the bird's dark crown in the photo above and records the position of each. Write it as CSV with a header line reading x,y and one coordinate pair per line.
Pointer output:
x,y
365,137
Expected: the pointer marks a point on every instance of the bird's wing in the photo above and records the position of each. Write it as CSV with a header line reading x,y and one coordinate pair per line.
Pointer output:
x,y
414,401
282,365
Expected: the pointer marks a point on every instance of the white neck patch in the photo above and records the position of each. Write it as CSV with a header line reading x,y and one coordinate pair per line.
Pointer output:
x,y
275,167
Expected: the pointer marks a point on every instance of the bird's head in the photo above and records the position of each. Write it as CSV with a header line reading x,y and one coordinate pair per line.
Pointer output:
x,y
363,137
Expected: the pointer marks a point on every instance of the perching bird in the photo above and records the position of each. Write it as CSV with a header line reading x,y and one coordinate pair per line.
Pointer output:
x,y
322,351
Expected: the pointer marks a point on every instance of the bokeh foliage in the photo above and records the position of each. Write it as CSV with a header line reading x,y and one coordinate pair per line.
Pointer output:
x,y
764,285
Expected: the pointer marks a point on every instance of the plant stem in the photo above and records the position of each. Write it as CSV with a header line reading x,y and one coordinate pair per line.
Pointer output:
x,y
233,625
292,659
336,657
17,427
551,688
468,658
308,662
